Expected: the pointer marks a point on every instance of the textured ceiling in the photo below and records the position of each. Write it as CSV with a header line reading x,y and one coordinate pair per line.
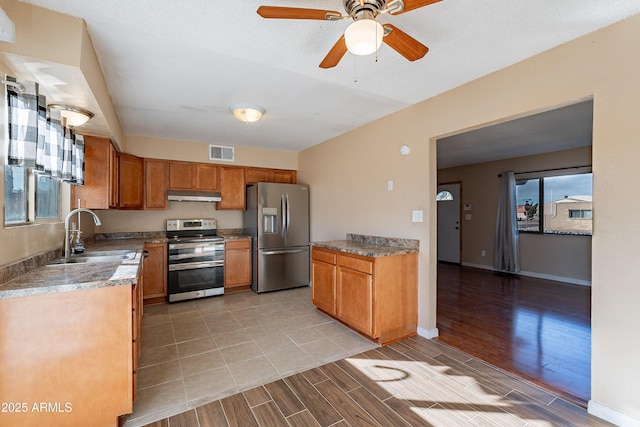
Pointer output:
x,y
174,67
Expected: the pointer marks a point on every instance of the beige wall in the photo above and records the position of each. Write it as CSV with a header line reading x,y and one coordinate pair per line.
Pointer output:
x,y
551,256
348,182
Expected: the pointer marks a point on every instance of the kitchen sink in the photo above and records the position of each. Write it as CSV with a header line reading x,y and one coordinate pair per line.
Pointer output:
x,y
97,257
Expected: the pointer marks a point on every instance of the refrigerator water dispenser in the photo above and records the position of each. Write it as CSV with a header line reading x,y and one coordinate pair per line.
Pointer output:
x,y
270,220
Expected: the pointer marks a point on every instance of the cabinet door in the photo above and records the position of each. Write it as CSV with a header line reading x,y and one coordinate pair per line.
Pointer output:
x,y
95,193
232,188
323,288
237,263
131,181
206,177
156,177
181,176
114,176
255,175
284,176
155,271
354,299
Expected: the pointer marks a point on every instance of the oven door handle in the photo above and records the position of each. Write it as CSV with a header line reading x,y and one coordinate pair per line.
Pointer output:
x,y
195,265
283,252
216,245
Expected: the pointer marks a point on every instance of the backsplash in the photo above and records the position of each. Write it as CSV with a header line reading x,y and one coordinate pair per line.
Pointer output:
x,y
11,271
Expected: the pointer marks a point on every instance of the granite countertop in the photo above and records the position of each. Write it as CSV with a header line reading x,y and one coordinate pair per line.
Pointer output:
x,y
72,277
371,246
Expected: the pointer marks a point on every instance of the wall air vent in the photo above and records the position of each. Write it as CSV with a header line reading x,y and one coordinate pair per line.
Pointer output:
x,y
222,152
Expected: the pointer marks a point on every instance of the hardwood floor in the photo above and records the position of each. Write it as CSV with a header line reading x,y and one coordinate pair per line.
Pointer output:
x,y
537,329
415,382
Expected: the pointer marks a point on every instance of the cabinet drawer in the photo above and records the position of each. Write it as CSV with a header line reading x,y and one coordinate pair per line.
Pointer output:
x,y
323,256
357,264
238,244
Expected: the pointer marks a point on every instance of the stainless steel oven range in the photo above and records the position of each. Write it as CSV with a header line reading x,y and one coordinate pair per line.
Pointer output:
x,y
196,259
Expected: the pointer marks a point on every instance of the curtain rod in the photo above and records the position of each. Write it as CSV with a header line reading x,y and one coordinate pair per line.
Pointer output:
x,y
550,170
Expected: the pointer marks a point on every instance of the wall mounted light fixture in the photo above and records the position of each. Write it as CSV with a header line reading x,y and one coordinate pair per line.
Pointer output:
x,y
247,113
72,116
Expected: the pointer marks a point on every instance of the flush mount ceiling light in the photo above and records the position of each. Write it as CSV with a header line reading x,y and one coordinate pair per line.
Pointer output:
x,y
247,113
364,36
72,116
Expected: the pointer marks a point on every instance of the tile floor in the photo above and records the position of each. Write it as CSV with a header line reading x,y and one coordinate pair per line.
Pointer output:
x,y
199,351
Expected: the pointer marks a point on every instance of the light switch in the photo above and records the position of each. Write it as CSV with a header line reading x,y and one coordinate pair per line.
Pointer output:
x,y
416,216
390,185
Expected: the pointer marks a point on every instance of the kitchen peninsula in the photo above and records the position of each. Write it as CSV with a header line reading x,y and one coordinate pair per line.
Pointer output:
x,y
370,283
70,340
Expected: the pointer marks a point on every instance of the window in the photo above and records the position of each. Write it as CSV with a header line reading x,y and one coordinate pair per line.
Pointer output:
x,y
47,197
444,196
556,205
15,195
29,197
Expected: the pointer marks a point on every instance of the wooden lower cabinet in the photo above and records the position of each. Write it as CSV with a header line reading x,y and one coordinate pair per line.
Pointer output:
x,y
71,350
155,273
375,295
323,277
237,265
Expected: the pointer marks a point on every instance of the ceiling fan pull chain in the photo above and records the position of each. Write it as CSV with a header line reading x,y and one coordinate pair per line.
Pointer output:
x,y
355,69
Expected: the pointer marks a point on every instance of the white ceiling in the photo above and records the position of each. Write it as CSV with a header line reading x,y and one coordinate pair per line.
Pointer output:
x,y
555,130
174,67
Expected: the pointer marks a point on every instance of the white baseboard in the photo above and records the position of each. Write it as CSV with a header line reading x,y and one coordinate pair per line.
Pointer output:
x,y
536,275
428,333
611,415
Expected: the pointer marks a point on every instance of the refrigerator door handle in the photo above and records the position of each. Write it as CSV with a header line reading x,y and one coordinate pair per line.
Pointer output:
x,y
288,213
284,252
283,210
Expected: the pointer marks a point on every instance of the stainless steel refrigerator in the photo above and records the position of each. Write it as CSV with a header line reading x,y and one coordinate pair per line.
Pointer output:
x,y
277,217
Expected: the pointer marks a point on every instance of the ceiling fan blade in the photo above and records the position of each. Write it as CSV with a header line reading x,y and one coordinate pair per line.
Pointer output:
x,y
335,54
409,5
278,12
404,44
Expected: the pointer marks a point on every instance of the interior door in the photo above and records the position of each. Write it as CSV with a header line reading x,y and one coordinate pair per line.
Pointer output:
x,y
449,224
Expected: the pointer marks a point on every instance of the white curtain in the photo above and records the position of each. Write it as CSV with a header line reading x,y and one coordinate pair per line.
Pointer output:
x,y
505,253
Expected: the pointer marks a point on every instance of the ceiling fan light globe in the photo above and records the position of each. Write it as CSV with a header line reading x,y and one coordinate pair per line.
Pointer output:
x,y
363,37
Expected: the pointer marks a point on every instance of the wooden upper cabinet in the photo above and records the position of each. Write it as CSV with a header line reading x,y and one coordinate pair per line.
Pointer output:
x,y
96,193
181,176
156,180
206,177
284,176
114,173
193,176
232,188
131,181
254,175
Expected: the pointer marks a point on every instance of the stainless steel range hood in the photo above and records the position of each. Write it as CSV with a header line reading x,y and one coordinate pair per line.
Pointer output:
x,y
193,196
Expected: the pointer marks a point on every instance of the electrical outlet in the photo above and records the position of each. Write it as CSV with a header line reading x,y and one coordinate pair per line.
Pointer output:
x,y
390,185
484,253
416,216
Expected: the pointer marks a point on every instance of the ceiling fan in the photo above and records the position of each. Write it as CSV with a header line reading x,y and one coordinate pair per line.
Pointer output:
x,y
365,35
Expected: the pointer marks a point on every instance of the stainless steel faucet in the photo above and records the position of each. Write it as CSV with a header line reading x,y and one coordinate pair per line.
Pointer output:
x,y
66,226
